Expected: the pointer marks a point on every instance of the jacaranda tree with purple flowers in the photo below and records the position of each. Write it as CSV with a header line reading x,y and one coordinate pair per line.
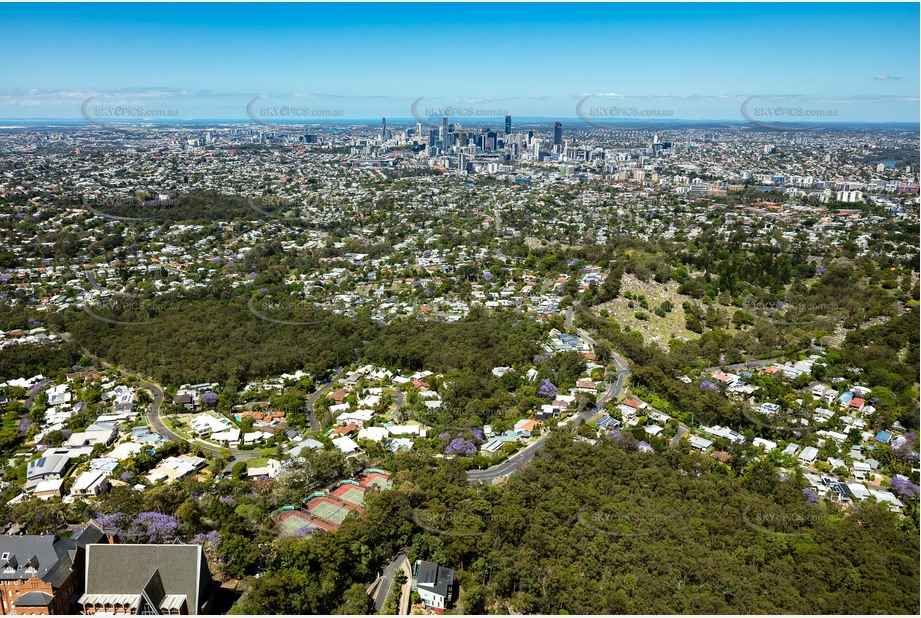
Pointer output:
x,y
153,527
460,446
548,389
904,488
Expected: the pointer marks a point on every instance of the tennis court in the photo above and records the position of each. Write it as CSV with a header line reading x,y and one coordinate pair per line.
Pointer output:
x,y
350,493
328,510
292,521
375,479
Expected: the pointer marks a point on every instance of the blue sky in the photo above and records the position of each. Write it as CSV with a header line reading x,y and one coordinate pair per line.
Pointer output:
x,y
694,61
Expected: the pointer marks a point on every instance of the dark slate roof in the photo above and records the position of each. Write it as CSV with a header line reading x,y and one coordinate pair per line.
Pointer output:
x,y
35,598
92,533
154,590
130,569
434,578
53,558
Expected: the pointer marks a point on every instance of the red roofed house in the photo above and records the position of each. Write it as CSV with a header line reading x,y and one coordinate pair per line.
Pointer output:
x,y
344,431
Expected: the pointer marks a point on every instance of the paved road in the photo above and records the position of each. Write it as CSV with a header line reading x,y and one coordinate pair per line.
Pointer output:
x,y
153,412
390,571
34,392
157,424
678,435
311,417
752,362
525,455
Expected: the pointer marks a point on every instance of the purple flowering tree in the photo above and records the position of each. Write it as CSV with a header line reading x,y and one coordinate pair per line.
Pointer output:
x,y
477,434
460,446
153,527
210,540
109,521
548,389
811,496
208,398
444,437
541,357
643,447
904,488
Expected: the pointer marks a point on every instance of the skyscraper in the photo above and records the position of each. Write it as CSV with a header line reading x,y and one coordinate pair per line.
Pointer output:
x,y
508,125
558,133
383,128
444,134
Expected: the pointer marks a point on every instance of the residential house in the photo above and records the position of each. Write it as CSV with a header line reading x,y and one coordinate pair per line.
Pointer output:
x,y
358,417
51,465
205,424
808,455
375,434
49,488
91,483
345,445
701,444
269,471
435,584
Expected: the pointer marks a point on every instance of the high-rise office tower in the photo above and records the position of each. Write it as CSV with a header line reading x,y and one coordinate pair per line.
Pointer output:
x,y
444,134
508,125
491,137
557,133
383,128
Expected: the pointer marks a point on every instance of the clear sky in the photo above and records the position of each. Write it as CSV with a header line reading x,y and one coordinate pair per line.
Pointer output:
x,y
694,61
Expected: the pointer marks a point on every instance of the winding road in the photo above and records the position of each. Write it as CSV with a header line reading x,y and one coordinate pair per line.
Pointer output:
x,y
513,463
156,422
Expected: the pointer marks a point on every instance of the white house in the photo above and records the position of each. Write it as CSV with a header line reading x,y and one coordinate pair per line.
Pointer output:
x,y
91,483
358,417
375,434
435,584
808,455
205,424
345,445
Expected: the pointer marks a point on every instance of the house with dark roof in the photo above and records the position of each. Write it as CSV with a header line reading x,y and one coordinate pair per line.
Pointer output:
x,y
435,584
147,579
39,574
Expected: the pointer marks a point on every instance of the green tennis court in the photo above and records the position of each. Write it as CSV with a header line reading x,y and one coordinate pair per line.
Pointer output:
x,y
329,511
292,521
381,483
355,496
